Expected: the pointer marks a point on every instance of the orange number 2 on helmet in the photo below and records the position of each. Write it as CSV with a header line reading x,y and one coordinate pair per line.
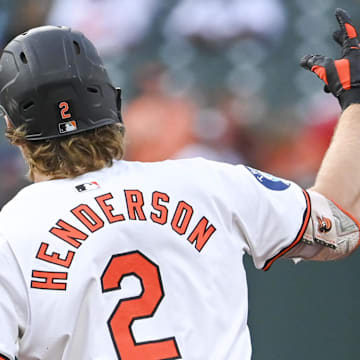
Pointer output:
x,y
64,107
139,307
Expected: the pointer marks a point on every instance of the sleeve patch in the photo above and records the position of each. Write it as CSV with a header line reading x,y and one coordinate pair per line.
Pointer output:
x,y
269,181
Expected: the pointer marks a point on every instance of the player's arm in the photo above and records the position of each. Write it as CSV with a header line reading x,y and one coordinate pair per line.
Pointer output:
x,y
333,230
339,175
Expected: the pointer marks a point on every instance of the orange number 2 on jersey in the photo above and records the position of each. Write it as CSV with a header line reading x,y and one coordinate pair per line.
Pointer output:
x,y
139,307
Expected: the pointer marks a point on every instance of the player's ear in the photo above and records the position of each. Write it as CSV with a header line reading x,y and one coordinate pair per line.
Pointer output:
x,y
9,124
4,114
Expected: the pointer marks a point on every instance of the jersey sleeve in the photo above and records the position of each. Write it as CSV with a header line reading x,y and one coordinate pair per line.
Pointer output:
x,y
13,312
270,213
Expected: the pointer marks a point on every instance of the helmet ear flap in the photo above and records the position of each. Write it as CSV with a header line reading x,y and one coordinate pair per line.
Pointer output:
x,y
118,103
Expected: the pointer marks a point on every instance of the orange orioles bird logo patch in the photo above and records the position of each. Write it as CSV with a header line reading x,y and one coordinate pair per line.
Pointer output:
x,y
325,224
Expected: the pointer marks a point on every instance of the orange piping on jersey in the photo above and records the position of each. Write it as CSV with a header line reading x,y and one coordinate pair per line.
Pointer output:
x,y
299,236
353,219
3,357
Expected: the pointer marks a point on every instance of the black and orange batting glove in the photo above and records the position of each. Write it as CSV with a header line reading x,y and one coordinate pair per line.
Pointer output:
x,y
342,77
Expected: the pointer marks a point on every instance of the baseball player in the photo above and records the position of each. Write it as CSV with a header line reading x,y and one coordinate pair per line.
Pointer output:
x,y
107,259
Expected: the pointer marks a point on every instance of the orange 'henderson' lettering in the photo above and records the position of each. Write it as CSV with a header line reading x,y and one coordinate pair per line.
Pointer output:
x,y
88,217
163,211
49,278
201,233
108,209
54,257
135,202
68,233
185,211
92,221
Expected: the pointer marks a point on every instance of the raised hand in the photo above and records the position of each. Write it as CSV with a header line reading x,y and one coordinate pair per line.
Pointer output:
x,y
342,76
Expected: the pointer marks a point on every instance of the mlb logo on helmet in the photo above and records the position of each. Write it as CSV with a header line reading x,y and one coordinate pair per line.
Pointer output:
x,y
68,126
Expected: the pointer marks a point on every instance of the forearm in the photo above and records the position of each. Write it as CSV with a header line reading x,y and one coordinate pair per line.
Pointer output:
x,y
338,180
333,230
339,176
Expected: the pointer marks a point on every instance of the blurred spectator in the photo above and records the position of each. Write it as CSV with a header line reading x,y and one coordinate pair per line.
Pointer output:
x,y
222,130
219,21
112,25
295,151
276,143
240,113
158,123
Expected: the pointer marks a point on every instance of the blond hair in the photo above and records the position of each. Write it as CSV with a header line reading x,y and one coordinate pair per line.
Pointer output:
x,y
71,156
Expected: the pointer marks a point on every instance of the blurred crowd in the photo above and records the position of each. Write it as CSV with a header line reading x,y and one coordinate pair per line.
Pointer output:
x,y
211,78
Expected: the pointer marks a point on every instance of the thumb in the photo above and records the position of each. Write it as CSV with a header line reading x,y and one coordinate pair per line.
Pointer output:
x,y
316,64
309,61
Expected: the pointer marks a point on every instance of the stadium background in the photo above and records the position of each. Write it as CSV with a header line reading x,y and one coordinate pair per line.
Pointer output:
x,y
220,79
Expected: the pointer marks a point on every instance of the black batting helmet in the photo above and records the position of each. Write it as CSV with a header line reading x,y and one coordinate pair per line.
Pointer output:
x,y
53,81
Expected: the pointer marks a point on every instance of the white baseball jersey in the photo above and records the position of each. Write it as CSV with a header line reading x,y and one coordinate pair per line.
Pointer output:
x,y
140,261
